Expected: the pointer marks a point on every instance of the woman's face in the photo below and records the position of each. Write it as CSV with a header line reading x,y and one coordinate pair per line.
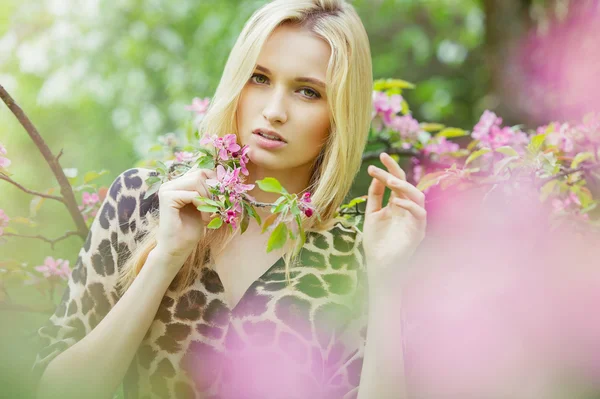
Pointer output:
x,y
276,98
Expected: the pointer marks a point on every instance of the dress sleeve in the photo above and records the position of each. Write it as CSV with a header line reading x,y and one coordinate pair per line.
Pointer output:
x,y
344,357
91,288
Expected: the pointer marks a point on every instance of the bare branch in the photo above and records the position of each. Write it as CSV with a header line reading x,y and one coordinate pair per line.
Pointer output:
x,y
567,172
51,160
52,242
11,181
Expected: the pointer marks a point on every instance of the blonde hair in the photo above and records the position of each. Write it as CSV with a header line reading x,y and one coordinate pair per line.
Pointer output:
x,y
349,83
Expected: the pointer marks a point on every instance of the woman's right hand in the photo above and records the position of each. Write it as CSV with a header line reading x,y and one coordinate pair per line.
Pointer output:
x,y
181,224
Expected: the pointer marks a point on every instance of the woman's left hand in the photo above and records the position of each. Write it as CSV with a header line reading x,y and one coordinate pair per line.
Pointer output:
x,y
392,233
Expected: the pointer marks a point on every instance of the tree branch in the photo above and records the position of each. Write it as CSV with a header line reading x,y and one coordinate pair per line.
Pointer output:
x,y
52,242
11,181
65,187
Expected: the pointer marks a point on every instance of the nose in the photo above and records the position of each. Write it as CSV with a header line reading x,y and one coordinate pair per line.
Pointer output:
x,y
274,110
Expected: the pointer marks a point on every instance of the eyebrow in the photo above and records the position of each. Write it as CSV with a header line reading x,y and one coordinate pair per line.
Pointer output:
x,y
301,79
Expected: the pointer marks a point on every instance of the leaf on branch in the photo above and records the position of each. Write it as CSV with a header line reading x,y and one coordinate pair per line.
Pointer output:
x,y
269,221
207,208
452,132
501,165
278,237
431,127
354,202
91,176
507,150
476,155
580,158
431,179
215,223
271,185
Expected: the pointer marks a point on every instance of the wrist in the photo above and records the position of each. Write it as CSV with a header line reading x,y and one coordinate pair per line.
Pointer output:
x,y
165,261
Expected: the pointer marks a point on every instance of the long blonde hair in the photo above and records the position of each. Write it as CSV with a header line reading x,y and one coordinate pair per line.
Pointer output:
x,y
349,83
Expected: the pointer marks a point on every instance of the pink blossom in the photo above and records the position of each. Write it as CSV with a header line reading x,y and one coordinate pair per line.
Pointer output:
x,y
4,219
491,134
386,106
4,162
440,146
225,145
304,205
90,199
198,106
184,156
242,155
54,267
406,125
229,180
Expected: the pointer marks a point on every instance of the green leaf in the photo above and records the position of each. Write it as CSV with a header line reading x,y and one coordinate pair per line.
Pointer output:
x,y
354,201
269,221
536,143
580,158
430,179
451,132
152,179
547,189
279,208
206,163
207,208
432,127
508,151
155,148
271,185
91,176
215,223
245,222
278,237
208,201
152,189
252,213
476,155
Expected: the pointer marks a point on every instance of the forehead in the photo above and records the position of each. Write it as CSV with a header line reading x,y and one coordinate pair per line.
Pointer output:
x,y
296,51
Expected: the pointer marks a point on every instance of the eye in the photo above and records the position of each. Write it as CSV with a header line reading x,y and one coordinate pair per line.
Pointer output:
x,y
314,93
258,75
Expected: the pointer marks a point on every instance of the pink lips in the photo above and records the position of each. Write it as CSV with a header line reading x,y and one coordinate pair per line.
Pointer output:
x,y
266,143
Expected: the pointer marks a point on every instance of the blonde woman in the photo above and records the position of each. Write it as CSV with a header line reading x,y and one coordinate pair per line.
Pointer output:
x,y
169,308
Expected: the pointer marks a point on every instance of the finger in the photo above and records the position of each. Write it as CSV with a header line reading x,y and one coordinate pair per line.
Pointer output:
x,y
392,166
181,198
401,188
418,212
375,196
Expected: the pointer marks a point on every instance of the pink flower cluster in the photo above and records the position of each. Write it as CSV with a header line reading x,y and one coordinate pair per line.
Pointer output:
x,y
228,148
184,156
54,268
4,162
385,111
91,203
573,139
4,219
491,134
228,181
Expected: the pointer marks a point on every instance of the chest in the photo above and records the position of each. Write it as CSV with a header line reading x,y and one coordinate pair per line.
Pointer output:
x,y
241,263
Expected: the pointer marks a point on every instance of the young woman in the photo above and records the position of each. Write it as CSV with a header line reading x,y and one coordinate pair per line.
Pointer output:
x,y
172,309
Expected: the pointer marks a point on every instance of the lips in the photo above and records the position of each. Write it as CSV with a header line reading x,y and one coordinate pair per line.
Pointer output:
x,y
270,133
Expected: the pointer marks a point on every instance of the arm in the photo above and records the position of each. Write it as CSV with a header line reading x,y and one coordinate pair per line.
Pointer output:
x,y
96,365
383,368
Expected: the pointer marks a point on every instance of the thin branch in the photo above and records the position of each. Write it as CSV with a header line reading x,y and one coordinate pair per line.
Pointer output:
x,y
12,307
51,160
52,242
28,191
567,172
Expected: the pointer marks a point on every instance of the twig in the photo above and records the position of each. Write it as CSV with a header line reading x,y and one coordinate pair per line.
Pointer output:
x,y
52,242
11,307
11,181
568,172
65,188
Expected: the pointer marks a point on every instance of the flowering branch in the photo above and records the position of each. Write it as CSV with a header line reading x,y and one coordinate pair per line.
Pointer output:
x,y
68,197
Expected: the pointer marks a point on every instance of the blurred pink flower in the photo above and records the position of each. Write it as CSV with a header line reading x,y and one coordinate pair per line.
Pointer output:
x,y
440,146
406,125
491,134
4,219
54,267
199,106
184,156
90,199
4,162
386,106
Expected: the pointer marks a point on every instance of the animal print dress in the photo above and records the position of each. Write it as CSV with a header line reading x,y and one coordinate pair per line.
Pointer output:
x,y
302,340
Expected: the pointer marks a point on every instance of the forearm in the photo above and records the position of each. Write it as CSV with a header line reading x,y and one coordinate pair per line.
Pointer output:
x,y
96,365
383,365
